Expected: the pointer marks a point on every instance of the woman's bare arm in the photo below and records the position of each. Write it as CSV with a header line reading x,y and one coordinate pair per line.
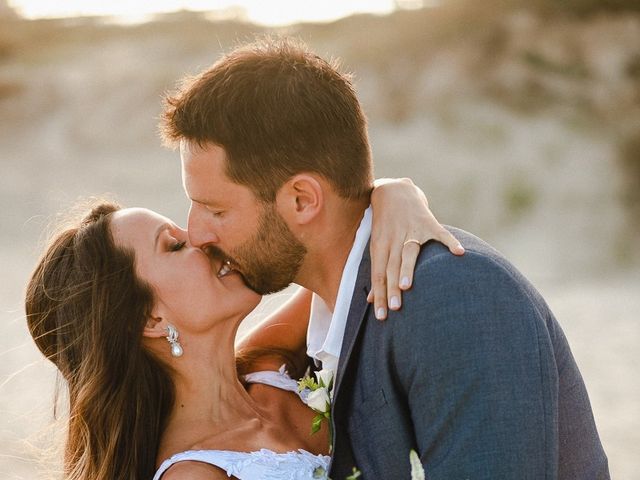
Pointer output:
x,y
284,329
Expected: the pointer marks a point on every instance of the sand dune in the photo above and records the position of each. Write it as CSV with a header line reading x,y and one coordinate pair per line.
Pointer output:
x,y
519,129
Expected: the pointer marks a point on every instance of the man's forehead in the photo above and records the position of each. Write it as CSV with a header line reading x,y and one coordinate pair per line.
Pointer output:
x,y
203,155
204,176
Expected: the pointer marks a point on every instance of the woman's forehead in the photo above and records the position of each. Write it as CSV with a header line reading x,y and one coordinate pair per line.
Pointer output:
x,y
130,226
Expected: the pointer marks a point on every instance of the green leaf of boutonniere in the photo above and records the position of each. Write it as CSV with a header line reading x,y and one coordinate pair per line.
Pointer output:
x,y
354,475
316,423
307,382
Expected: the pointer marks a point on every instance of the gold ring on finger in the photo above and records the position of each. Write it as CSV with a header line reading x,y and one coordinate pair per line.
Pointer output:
x,y
412,240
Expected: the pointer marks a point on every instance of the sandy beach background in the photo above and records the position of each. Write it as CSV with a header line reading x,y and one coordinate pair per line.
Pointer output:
x,y
522,125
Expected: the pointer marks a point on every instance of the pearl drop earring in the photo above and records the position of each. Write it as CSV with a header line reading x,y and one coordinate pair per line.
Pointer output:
x,y
172,338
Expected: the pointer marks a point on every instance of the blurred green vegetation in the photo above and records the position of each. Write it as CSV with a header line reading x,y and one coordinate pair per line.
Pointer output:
x,y
519,198
574,69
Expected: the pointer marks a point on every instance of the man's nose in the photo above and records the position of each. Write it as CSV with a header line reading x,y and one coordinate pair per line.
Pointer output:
x,y
201,230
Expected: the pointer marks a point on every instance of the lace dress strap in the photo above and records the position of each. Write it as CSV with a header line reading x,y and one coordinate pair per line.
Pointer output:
x,y
279,379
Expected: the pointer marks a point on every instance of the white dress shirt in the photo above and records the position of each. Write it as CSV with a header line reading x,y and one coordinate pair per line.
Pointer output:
x,y
326,329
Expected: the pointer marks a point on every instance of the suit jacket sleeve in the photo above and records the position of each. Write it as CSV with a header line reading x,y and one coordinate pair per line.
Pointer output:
x,y
475,362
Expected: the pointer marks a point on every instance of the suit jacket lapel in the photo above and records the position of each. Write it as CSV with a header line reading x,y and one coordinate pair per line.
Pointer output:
x,y
357,313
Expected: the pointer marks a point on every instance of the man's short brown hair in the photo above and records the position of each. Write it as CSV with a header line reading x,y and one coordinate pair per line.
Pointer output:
x,y
277,109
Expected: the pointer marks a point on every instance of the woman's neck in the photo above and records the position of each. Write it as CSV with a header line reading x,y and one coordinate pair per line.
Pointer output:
x,y
208,390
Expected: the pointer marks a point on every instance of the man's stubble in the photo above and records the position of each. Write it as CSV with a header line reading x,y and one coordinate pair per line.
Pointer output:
x,y
270,260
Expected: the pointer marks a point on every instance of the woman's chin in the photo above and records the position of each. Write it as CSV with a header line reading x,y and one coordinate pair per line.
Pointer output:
x,y
253,300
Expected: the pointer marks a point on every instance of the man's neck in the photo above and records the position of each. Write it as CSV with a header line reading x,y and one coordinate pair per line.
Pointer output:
x,y
322,270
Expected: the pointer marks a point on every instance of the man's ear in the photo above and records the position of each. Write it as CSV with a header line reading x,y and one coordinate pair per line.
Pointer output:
x,y
155,327
301,198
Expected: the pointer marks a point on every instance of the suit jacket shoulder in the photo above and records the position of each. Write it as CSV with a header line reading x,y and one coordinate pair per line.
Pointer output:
x,y
458,374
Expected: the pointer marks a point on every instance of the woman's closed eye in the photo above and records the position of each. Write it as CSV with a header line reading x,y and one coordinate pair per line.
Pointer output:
x,y
176,246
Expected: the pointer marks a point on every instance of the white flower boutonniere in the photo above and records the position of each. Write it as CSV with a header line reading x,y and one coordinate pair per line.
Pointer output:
x,y
317,394
417,470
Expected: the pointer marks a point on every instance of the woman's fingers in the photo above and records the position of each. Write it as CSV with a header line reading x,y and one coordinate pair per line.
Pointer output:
x,y
385,291
446,237
435,231
394,295
410,252
379,289
379,264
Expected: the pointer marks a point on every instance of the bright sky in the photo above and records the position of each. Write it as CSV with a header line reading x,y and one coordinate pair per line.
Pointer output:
x,y
266,12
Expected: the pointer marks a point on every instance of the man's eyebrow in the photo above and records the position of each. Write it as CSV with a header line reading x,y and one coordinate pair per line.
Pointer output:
x,y
205,202
161,228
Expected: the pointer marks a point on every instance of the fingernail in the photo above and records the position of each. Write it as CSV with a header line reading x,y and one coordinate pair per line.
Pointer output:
x,y
380,313
404,283
394,303
460,248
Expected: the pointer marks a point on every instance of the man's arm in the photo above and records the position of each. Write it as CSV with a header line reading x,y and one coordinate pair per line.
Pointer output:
x,y
476,364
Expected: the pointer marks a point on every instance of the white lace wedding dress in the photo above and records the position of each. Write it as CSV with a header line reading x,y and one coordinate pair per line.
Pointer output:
x,y
263,464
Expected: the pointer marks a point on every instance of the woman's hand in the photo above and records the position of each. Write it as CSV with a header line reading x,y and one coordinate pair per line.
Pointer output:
x,y
402,222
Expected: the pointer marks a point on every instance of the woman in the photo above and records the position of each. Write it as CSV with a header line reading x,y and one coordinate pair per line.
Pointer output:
x,y
102,303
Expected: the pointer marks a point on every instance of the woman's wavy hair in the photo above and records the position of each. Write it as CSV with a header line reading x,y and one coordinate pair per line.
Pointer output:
x,y
86,310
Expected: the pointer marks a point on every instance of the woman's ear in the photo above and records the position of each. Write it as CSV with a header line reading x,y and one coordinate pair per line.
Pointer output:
x,y
301,199
155,327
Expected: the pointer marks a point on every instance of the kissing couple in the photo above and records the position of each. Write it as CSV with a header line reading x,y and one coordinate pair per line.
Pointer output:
x,y
431,346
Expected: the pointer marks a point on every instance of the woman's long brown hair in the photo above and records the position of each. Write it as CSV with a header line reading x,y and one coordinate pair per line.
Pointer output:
x,y
86,310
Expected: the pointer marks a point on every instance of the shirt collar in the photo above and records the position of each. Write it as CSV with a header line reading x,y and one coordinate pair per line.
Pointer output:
x,y
326,329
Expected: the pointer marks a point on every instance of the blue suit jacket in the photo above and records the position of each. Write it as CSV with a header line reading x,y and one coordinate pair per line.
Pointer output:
x,y
473,372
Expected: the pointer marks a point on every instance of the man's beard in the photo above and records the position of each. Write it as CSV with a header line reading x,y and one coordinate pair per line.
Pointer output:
x,y
271,259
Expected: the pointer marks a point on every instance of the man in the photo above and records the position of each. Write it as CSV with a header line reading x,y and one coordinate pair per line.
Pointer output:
x,y
474,373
